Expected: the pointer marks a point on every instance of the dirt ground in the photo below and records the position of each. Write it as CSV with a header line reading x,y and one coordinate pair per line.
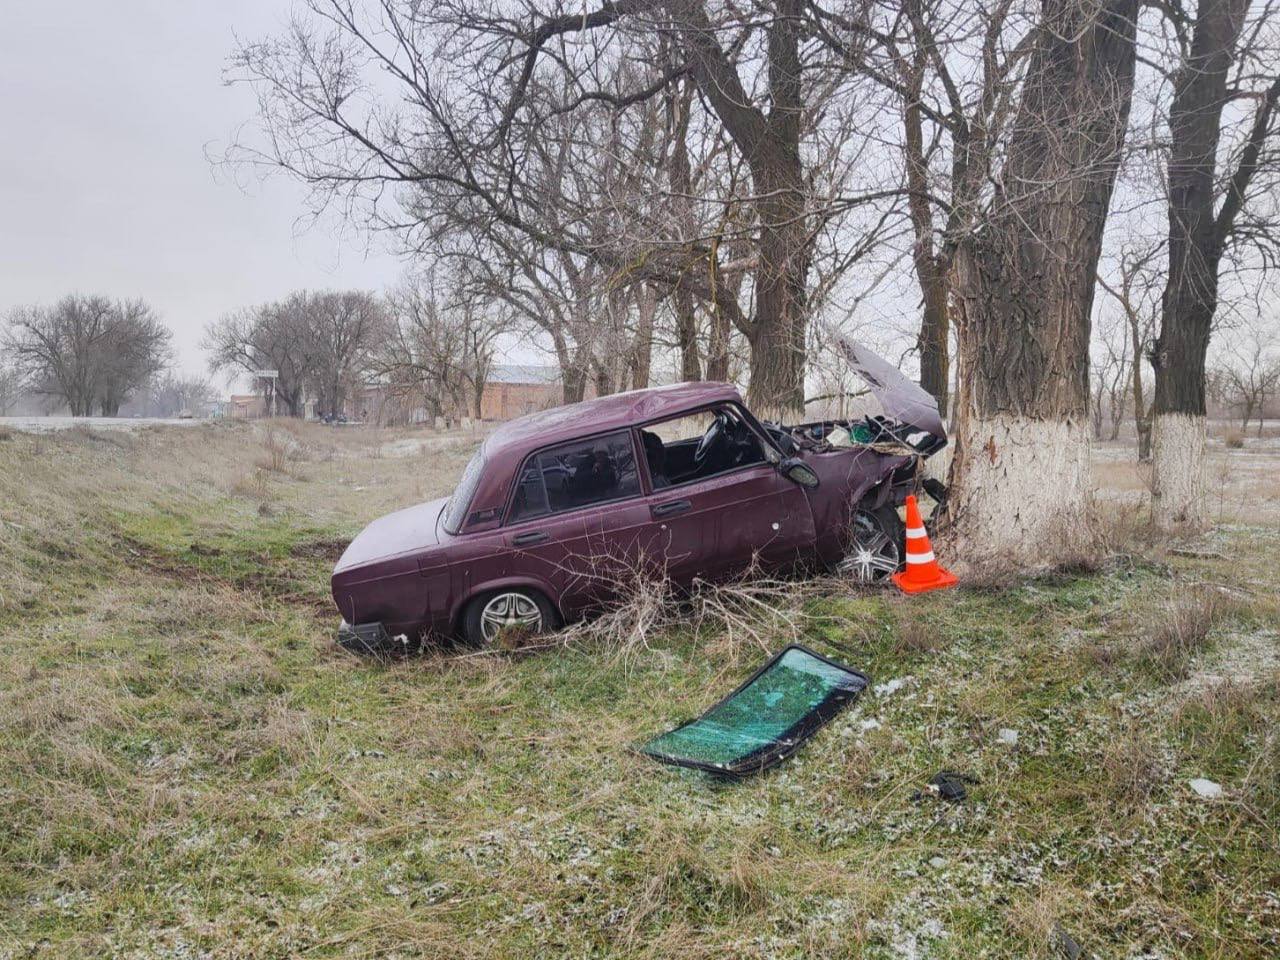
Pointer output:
x,y
190,767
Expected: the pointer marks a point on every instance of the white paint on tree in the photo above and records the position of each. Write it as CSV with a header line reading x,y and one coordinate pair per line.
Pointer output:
x,y
1022,493
1177,468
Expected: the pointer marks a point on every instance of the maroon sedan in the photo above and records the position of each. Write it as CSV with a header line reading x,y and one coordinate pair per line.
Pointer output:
x,y
559,508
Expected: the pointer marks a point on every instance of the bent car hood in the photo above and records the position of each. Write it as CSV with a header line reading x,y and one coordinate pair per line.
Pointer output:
x,y
411,529
903,400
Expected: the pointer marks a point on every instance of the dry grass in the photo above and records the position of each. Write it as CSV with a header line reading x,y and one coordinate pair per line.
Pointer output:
x,y
1179,630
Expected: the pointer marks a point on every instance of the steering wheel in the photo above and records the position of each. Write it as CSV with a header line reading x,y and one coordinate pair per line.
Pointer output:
x,y
715,435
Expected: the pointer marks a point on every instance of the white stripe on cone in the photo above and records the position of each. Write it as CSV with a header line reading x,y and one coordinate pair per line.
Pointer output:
x,y
926,557
915,533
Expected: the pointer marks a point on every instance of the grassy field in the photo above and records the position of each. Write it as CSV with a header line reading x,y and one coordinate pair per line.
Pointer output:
x,y
189,767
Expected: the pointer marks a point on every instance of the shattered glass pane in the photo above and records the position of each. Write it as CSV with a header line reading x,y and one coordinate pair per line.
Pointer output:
x,y
766,719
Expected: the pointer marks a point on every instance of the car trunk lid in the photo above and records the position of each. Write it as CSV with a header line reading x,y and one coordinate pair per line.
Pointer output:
x,y
414,528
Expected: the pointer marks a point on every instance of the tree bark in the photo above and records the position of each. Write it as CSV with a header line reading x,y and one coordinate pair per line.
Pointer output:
x,y
931,272
770,144
642,350
1195,250
1024,287
687,336
777,337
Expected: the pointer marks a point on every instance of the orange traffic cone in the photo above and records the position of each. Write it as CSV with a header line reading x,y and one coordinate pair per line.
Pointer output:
x,y
923,572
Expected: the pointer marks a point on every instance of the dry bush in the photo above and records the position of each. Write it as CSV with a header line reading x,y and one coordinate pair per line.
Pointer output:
x,y
1234,439
280,450
1130,768
6,433
749,611
915,635
1179,630
252,485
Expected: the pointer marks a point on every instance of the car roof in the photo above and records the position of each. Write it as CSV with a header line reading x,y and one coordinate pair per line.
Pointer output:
x,y
616,411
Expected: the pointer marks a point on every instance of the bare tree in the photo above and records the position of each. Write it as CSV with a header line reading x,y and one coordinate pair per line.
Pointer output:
x,y
1109,374
342,330
89,351
446,105
1248,370
441,347
1024,285
1138,294
318,342
1222,170
135,349
171,394
11,383
272,336
953,72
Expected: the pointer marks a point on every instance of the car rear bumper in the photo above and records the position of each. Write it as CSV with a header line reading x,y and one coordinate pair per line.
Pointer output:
x,y
368,638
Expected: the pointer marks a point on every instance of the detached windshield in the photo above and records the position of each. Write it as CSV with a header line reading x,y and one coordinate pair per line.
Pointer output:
x,y
455,511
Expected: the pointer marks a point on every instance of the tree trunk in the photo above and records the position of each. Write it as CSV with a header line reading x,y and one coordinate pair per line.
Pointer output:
x,y
1141,416
1024,287
721,325
642,349
770,143
932,342
687,336
1195,248
777,336
935,331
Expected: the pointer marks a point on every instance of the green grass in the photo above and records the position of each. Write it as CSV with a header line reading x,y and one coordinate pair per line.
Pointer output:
x,y
189,766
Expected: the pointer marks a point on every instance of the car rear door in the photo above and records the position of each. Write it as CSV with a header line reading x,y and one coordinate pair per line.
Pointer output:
x,y
577,518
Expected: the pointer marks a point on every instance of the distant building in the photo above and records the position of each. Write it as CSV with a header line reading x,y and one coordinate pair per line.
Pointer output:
x,y
513,390
246,406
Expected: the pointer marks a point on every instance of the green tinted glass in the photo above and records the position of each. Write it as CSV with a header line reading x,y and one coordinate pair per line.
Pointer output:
x,y
765,719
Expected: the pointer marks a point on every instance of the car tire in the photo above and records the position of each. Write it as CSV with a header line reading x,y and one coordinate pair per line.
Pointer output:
x,y
877,546
526,612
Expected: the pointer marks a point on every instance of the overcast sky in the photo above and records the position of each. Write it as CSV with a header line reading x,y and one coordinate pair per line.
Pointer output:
x,y
108,110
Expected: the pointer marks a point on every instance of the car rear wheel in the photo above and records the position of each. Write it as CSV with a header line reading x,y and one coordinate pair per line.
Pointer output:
x,y
876,546
505,617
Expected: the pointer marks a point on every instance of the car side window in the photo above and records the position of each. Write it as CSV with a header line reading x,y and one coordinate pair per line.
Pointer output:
x,y
575,475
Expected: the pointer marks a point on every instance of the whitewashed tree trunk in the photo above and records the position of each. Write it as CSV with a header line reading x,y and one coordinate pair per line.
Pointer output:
x,y
1177,460
1023,291
1022,493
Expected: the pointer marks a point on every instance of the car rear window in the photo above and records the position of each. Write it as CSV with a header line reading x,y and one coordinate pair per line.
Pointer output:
x,y
455,511
575,475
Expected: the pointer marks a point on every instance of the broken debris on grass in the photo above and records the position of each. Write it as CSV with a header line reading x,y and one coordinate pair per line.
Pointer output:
x,y
766,719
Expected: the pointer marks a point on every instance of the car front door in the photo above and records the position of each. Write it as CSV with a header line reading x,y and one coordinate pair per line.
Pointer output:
x,y
716,525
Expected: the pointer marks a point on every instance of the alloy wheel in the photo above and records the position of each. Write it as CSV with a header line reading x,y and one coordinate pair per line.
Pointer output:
x,y
873,554
509,611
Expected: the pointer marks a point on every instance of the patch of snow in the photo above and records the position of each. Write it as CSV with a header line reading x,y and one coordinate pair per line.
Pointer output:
x,y
1008,736
890,686
1205,788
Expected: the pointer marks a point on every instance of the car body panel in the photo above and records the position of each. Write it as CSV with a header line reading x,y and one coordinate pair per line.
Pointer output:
x,y
901,399
410,572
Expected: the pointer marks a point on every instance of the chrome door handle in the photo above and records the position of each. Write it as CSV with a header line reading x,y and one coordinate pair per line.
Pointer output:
x,y
671,507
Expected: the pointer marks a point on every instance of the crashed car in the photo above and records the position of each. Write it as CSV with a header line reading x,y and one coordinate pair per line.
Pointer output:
x,y
560,509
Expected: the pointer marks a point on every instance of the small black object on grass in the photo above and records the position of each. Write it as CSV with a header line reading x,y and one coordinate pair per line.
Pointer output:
x,y
766,719
947,785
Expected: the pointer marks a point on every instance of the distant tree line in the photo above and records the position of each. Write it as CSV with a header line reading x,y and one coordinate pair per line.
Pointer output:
x,y
428,345
89,352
